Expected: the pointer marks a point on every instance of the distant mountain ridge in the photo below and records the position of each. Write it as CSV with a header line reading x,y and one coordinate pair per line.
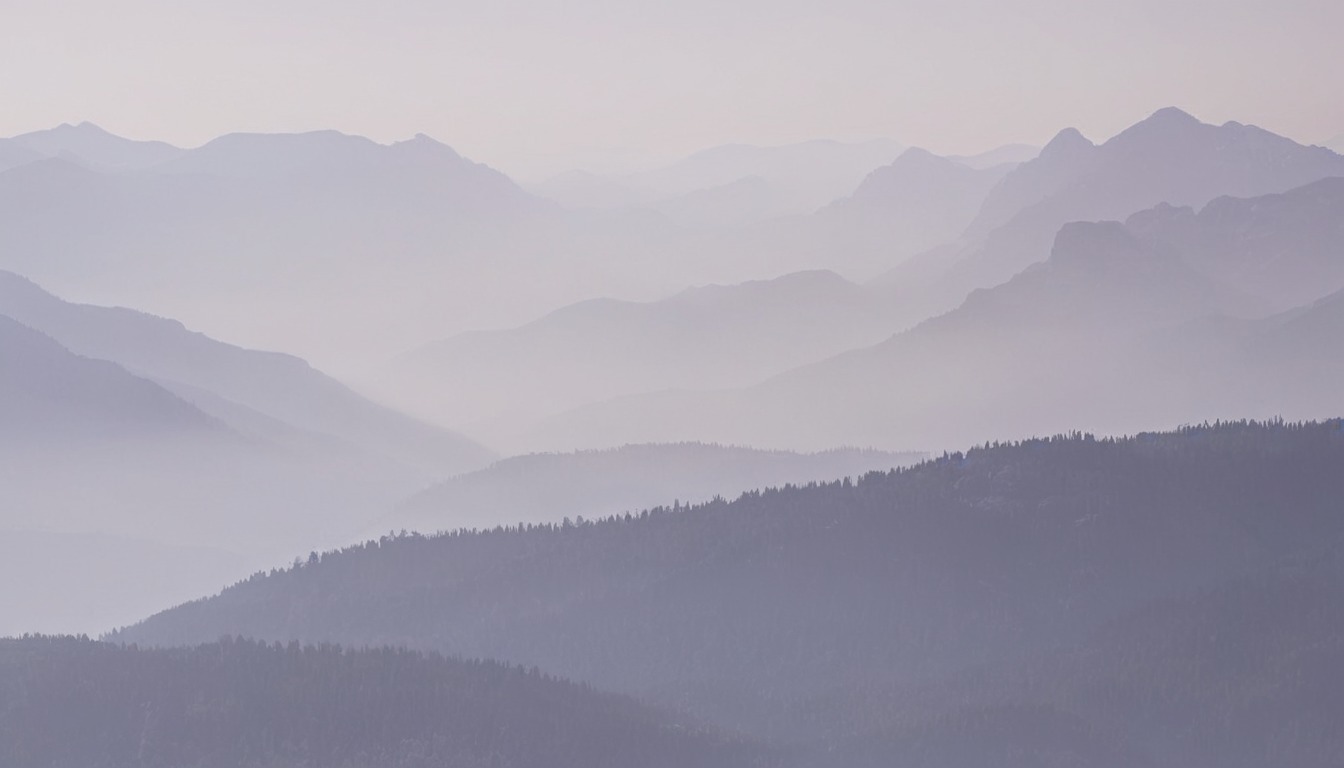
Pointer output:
x,y
1170,157
90,145
246,217
729,186
1099,334
276,385
48,393
704,337
122,427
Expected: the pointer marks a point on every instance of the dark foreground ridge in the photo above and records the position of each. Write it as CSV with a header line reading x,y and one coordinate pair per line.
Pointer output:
x,y
242,704
1169,599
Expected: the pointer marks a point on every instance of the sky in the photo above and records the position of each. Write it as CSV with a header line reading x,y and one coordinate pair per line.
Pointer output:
x,y
536,87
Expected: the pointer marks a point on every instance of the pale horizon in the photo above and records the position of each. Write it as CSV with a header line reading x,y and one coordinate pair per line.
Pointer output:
x,y
650,162
509,87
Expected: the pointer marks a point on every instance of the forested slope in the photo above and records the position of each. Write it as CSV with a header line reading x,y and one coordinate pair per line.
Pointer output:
x,y
777,613
241,704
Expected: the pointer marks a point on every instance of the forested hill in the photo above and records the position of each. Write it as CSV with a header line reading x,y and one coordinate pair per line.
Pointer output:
x,y
771,613
241,704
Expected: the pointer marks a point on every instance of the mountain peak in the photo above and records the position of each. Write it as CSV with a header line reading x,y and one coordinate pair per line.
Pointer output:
x,y
917,153
1172,116
1162,124
428,145
84,127
1066,141
916,157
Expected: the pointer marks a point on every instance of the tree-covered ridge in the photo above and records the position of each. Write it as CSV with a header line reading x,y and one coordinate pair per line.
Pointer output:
x,y
775,612
73,703
1244,675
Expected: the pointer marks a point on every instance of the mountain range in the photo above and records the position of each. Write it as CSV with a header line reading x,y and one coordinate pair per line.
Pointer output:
x,y
497,383
796,178
307,231
88,145
673,564
328,237
48,393
1170,157
250,390
394,244
1124,326
205,458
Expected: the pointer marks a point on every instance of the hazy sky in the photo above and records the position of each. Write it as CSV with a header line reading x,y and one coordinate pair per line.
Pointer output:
x,y
538,86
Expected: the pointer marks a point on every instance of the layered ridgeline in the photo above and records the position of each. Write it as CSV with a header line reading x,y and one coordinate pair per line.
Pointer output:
x,y
253,391
48,393
397,245
550,487
128,424
900,616
1162,319
769,181
915,203
242,220
239,704
1170,157
88,145
203,459
858,213
501,382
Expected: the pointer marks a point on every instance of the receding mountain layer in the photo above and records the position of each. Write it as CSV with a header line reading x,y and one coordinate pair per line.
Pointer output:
x,y
1170,158
496,382
89,145
1110,333
229,381
125,428
48,394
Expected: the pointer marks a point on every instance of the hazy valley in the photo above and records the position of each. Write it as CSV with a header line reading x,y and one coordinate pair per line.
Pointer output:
x,y
925,445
